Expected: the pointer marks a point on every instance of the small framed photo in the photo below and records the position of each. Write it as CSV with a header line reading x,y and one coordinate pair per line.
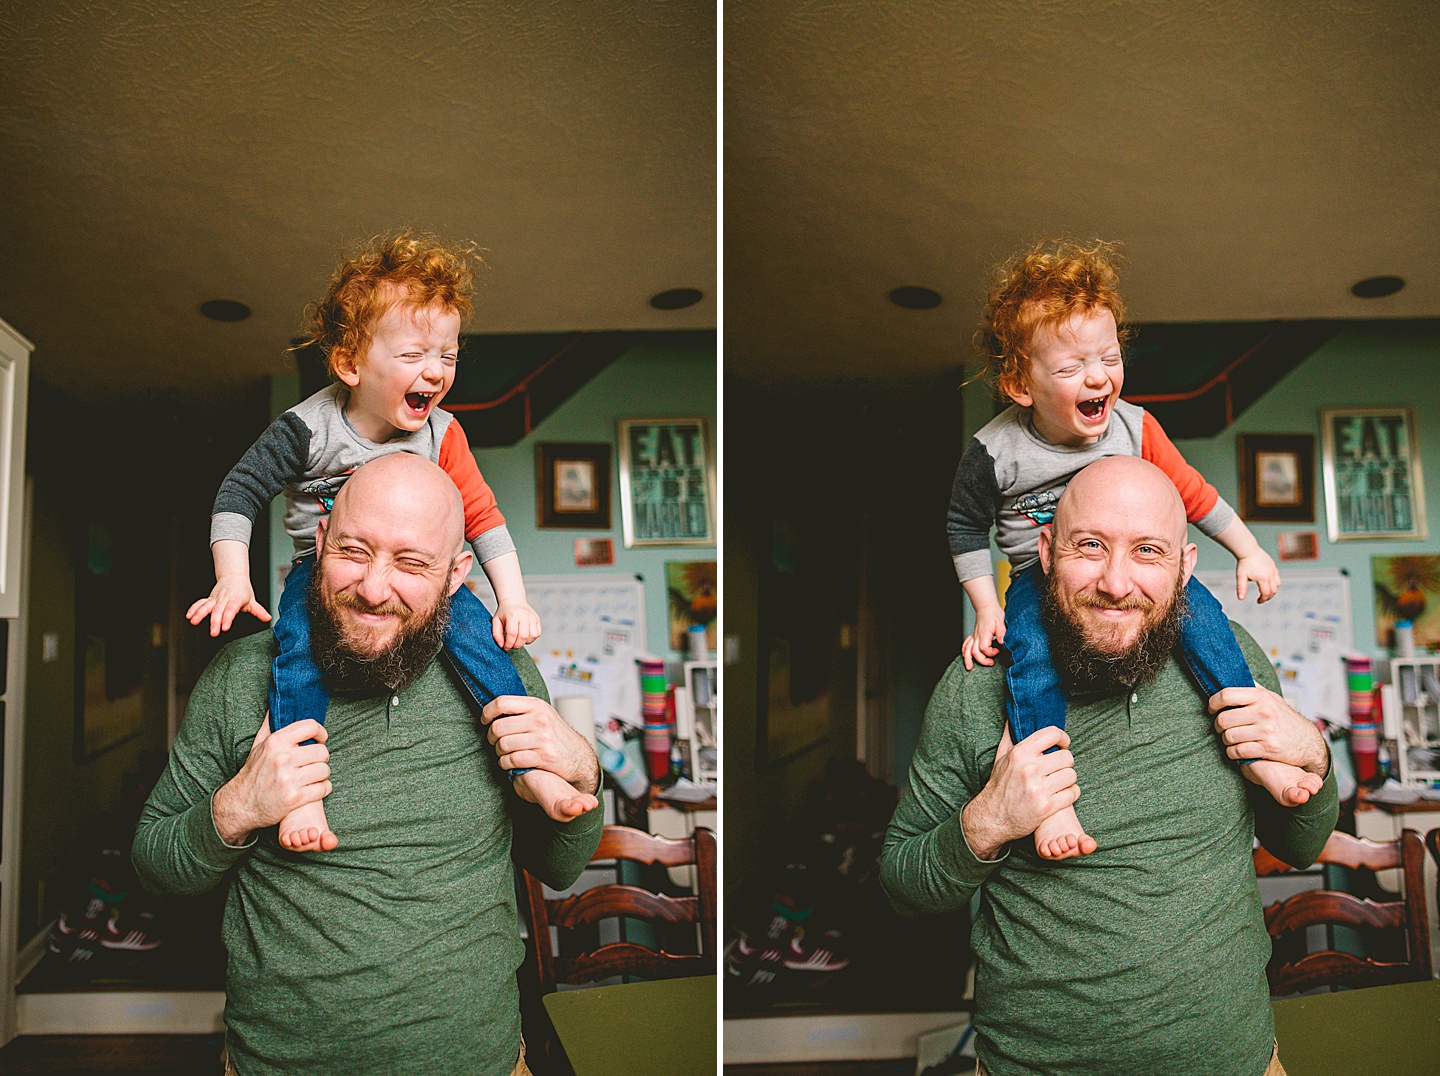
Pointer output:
x,y
1373,487
572,486
1277,477
1298,545
667,481
594,552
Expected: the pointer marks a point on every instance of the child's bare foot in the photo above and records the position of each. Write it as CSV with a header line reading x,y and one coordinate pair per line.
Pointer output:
x,y
1290,785
1061,837
305,830
556,796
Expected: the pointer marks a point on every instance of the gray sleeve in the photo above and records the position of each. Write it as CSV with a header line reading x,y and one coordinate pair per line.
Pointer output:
x,y
1217,519
277,458
974,506
495,542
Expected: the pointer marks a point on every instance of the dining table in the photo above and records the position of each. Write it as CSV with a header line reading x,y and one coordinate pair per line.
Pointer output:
x,y
1381,1029
665,1026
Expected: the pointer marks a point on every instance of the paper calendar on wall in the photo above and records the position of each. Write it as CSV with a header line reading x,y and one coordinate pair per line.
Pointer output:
x,y
583,614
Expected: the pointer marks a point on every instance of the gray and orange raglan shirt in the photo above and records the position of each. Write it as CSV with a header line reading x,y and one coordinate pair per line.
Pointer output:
x,y
309,452
1011,478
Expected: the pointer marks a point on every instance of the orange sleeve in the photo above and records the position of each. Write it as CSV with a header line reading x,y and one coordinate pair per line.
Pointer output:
x,y
481,511
1199,495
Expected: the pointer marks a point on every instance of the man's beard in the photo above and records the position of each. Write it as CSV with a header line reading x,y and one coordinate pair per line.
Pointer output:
x,y
415,645
1085,661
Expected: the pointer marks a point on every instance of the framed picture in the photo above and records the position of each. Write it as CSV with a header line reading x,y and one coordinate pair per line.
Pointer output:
x,y
572,486
667,482
1298,545
1373,487
594,552
1277,477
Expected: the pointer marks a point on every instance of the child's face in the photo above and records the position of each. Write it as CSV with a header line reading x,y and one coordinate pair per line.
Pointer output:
x,y
1075,375
406,371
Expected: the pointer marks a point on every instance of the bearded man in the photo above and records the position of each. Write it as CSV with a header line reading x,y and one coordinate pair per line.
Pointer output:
x,y
1147,954
394,949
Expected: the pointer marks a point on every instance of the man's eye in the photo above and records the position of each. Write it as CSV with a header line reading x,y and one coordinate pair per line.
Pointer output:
x,y
410,565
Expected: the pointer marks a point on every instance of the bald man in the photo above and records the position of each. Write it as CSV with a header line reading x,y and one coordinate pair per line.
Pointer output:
x,y
1148,953
393,948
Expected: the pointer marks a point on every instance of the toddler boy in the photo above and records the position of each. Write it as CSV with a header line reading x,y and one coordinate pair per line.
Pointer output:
x,y
389,325
1051,339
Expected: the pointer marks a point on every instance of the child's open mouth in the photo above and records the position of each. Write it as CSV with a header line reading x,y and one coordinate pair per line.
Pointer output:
x,y
1093,409
418,402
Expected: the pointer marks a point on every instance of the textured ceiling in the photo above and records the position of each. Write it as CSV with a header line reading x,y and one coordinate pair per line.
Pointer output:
x,y
1255,159
158,153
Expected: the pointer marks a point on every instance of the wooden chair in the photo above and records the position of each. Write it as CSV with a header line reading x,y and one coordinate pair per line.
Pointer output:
x,y
610,901
1319,907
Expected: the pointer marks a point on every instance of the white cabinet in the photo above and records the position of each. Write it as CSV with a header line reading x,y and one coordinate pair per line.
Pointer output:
x,y
697,712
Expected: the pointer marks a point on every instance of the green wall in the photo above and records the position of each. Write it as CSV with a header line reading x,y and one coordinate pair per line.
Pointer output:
x,y
1371,364
667,375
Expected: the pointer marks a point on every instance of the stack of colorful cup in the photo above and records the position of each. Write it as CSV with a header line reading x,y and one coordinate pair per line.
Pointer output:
x,y
657,726
1363,742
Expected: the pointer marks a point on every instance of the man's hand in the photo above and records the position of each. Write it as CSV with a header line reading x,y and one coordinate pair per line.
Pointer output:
x,y
278,776
529,734
1257,723
1026,787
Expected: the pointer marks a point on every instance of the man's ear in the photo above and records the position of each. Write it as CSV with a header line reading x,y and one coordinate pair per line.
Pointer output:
x,y
463,563
1187,562
1045,549
346,368
320,529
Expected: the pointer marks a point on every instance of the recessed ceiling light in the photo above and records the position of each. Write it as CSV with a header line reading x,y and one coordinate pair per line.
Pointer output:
x,y
1377,287
675,299
912,298
225,310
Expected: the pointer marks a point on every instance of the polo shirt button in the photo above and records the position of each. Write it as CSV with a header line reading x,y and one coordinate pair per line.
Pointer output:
x,y
395,701
1133,698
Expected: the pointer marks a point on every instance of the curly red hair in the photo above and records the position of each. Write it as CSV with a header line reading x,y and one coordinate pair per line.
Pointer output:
x,y
1040,288
411,267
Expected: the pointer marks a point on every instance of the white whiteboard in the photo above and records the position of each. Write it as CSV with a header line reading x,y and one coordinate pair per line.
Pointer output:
x,y
1310,613
571,607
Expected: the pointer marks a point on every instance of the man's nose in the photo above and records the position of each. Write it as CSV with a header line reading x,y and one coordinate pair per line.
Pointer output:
x,y
374,586
1114,581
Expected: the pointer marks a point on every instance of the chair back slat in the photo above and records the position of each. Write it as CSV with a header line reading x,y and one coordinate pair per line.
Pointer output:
x,y
1318,907
1321,907
1330,967
630,958
625,842
611,901
1356,852
628,901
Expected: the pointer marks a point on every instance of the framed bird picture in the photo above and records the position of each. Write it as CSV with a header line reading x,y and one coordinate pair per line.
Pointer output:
x,y
692,588
1407,588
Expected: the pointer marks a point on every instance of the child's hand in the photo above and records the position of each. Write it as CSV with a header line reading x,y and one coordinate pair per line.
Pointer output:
x,y
983,644
515,624
1259,567
230,596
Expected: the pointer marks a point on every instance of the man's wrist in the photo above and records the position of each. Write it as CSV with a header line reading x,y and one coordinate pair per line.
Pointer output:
x,y
981,834
231,821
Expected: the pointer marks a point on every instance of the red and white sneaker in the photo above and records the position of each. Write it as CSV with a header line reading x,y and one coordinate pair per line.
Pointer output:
x,y
137,937
822,956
